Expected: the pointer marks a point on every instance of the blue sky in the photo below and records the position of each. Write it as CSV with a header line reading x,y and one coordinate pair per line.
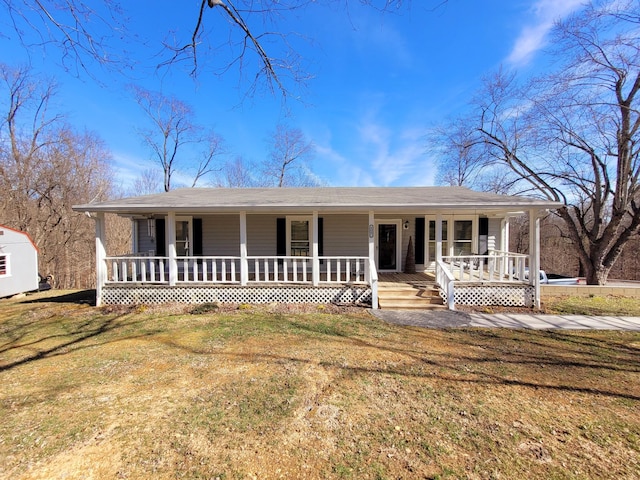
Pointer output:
x,y
380,81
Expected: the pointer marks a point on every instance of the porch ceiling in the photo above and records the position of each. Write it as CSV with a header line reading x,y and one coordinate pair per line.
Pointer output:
x,y
326,199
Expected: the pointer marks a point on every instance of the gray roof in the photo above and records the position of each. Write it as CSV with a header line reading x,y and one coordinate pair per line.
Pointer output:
x,y
322,199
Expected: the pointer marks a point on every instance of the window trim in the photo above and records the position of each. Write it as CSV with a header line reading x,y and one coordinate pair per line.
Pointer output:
x,y
299,218
6,271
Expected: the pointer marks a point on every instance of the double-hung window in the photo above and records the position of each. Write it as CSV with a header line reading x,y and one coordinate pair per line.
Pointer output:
x,y
299,234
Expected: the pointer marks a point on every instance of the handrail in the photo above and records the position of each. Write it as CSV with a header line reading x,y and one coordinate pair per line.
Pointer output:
x,y
446,280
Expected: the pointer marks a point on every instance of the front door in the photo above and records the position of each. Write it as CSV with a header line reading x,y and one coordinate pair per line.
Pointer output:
x,y
388,246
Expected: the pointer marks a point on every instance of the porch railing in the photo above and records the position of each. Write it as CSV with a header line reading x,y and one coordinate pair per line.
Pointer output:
x,y
259,269
497,266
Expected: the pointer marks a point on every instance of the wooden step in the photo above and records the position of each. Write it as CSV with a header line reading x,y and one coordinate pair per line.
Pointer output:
x,y
403,296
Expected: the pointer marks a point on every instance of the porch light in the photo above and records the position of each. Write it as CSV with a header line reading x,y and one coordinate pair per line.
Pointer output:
x,y
406,225
151,227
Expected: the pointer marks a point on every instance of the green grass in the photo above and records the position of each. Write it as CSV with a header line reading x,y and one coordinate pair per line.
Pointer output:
x,y
594,305
151,393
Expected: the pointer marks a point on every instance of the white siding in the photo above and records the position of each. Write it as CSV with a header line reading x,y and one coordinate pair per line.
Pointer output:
x,y
22,263
495,231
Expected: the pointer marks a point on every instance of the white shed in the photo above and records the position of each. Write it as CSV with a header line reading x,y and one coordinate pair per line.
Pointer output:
x,y
18,262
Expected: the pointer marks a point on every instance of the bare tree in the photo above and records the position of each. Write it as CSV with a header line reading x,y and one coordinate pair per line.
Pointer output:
x,y
573,135
45,168
247,35
459,163
288,162
149,181
237,173
173,134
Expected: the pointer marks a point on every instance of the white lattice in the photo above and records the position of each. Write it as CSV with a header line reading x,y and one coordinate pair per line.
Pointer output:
x,y
155,294
493,295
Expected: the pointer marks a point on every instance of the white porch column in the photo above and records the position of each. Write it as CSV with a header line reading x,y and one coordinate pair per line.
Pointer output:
x,y
438,239
101,253
534,254
372,259
244,263
173,256
315,262
372,236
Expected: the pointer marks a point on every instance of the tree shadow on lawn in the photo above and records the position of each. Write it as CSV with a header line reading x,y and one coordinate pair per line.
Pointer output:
x,y
82,297
90,329
498,350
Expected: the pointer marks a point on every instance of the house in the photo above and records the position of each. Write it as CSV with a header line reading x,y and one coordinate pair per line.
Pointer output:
x,y
329,244
18,262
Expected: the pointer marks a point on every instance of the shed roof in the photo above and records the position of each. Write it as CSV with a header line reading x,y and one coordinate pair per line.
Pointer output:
x,y
348,199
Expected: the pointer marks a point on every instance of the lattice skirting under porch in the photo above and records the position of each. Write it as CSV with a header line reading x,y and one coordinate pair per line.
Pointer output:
x,y
155,294
493,295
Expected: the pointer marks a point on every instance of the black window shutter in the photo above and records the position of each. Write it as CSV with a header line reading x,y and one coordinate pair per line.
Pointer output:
x,y
483,226
197,236
320,237
160,238
281,237
420,233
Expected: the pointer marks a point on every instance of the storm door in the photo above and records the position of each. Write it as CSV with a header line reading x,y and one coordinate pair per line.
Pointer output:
x,y
388,246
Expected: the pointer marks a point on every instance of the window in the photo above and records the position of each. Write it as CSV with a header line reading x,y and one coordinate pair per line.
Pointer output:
x,y
300,245
299,236
462,237
4,265
432,239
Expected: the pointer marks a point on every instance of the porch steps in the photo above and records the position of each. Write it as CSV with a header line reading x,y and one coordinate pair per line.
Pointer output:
x,y
406,296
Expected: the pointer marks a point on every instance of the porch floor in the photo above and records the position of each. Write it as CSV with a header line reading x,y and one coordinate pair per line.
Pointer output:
x,y
417,279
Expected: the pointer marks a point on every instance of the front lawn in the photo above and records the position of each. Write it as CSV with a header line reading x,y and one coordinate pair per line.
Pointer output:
x,y
150,393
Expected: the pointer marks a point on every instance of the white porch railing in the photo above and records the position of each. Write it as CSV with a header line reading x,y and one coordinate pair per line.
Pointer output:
x,y
497,266
446,280
260,269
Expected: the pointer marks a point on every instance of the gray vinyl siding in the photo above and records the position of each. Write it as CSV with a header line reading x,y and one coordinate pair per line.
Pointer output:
x,y
346,235
262,235
221,235
146,244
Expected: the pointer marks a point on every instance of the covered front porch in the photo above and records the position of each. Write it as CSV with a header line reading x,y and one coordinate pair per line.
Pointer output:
x,y
318,250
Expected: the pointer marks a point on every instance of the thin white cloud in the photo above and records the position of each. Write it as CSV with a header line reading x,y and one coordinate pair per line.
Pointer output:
x,y
533,36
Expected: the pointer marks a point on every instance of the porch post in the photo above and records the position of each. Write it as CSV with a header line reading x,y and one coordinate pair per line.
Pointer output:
x,y
173,260
372,260
244,263
101,253
315,269
534,255
438,239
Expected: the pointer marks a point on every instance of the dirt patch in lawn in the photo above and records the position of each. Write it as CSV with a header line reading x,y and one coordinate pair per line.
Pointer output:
x,y
273,393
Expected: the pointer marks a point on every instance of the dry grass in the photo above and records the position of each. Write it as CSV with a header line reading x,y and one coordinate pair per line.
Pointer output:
x,y
253,393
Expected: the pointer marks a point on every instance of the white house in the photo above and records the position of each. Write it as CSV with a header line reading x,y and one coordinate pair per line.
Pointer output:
x,y
324,244
18,262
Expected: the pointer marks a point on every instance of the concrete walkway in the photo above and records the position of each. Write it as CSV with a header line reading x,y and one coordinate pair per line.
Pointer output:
x,y
449,319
